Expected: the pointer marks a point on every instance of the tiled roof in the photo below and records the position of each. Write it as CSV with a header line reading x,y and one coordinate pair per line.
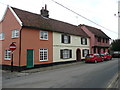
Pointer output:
x,y
95,31
37,21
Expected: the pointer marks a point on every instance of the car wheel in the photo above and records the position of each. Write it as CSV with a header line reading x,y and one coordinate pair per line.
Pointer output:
x,y
102,60
95,61
85,61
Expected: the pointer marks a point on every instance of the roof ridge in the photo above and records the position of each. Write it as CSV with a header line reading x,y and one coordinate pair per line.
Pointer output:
x,y
91,26
34,20
24,10
96,30
44,17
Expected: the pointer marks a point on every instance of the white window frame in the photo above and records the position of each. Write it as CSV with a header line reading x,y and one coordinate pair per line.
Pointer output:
x,y
66,38
83,40
43,51
85,52
7,55
66,53
43,35
15,33
2,36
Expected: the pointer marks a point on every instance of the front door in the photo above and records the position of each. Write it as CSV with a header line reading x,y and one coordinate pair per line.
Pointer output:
x,y
30,57
78,55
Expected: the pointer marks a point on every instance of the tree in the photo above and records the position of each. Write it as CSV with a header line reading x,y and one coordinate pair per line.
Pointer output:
x,y
115,45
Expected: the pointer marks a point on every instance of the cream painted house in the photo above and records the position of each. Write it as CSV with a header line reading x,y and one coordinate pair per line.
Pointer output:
x,y
68,47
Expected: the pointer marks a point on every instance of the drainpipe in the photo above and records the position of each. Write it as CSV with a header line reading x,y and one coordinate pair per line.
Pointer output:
x,y
19,69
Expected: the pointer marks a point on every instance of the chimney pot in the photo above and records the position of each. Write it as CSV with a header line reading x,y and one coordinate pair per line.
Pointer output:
x,y
44,12
45,7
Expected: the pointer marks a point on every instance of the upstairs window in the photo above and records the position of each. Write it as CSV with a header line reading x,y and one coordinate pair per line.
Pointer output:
x,y
43,35
103,40
99,39
84,41
15,33
106,40
7,55
2,36
65,39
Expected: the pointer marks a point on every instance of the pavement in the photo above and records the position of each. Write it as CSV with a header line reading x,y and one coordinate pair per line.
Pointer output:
x,y
9,75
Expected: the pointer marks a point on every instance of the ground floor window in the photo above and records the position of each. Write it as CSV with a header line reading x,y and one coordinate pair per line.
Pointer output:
x,y
65,53
85,52
43,54
7,55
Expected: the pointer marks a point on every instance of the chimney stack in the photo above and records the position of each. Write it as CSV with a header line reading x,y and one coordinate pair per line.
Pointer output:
x,y
44,12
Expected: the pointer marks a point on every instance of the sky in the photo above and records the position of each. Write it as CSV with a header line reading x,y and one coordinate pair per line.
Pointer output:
x,y
99,11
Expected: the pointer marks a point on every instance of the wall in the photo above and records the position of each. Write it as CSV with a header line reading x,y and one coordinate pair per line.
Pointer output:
x,y
31,40
101,43
0,44
91,35
10,23
74,45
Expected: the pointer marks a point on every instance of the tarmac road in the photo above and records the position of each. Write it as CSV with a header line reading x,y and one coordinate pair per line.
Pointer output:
x,y
83,75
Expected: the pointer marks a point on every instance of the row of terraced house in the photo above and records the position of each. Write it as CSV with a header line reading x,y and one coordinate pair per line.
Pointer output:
x,y
42,40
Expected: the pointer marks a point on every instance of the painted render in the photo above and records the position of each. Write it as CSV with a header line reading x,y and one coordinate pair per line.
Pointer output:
x,y
30,39
0,45
7,28
74,45
94,41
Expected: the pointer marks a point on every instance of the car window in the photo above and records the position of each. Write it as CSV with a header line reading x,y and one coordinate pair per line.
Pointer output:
x,y
89,55
102,54
97,55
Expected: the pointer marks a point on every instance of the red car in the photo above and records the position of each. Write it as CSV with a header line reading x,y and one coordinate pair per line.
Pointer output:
x,y
93,58
106,56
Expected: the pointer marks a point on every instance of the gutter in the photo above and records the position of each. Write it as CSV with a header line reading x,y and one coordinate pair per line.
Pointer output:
x,y
20,49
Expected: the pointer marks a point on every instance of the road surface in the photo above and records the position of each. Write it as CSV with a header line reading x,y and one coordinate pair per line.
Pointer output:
x,y
85,75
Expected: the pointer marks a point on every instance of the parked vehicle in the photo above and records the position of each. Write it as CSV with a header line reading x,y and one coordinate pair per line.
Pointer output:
x,y
116,54
93,58
106,56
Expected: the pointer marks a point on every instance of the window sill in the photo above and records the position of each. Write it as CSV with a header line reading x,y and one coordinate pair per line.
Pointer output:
x,y
83,44
7,59
66,43
65,58
2,39
44,39
15,37
43,60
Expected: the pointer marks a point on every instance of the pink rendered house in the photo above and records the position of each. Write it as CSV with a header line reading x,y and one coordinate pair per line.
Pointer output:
x,y
99,41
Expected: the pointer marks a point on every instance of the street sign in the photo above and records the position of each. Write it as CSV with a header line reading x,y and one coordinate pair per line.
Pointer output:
x,y
12,47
